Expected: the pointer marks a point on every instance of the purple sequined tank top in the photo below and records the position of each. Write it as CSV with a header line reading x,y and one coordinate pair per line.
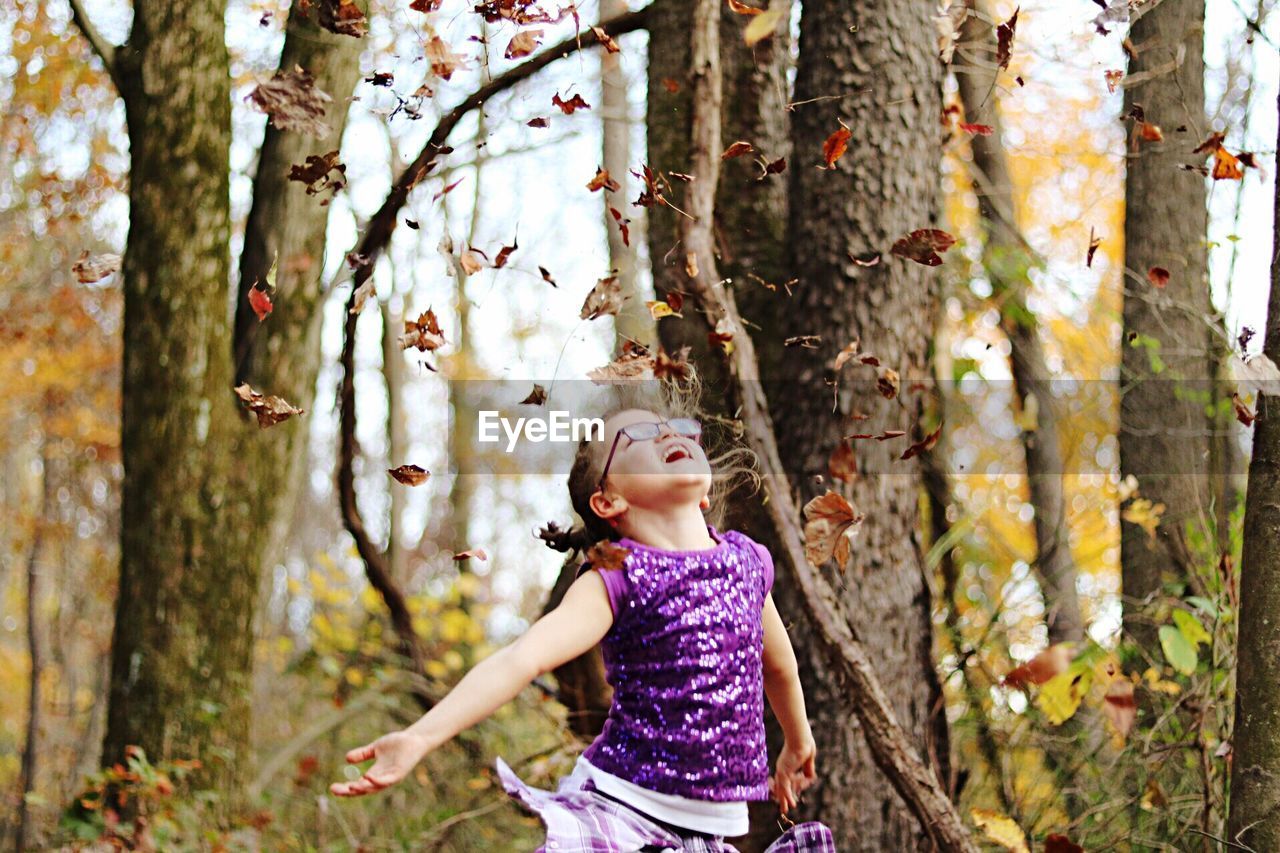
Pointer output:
x,y
685,659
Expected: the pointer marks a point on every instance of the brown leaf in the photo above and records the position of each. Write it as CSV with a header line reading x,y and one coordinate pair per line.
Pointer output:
x,y
850,350
541,121
1210,145
670,85
342,17
448,189
606,555
923,246
1243,414
1040,668
843,464
835,146
622,225
423,333
1120,707
827,518
602,179
605,298
675,367
1094,243
504,253
652,193
1004,40
478,553
806,341
1057,843
442,58
1150,132
425,5
737,149
606,40
315,173
91,268
1226,166
634,363
742,8
269,409
293,102
774,168
546,276
410,475
887,382
926,443
522,44
1159,276
568,107
1113,78
537,397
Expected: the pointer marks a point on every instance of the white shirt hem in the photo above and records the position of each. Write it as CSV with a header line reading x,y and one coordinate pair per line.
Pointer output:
x,y
717,818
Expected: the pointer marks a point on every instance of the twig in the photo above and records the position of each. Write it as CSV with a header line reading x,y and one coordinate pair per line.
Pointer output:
x,y
106,50
890,748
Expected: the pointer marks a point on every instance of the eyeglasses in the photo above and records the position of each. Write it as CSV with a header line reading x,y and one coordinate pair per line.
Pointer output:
x,y
687,427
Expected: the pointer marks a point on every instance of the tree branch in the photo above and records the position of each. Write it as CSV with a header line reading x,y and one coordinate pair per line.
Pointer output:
x,y
889,744
106,50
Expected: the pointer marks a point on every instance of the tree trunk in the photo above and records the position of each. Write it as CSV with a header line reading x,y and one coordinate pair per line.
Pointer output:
x,y
1007,258
1164,434
881,61
1254,820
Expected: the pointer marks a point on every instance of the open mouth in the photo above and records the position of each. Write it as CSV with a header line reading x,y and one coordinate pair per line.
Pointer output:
x,y
676,452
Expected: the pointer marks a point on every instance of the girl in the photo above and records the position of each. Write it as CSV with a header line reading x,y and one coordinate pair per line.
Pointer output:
x,y
692,645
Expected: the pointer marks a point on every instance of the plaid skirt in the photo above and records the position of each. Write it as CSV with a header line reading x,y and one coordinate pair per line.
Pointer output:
x,y
581,819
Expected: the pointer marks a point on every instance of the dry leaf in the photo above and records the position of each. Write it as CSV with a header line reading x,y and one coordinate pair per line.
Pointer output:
x,y
602,179
1004,40
742,8
887,382
423,333
568,107
850,350
1226,166
1000,829
315,173
410,475
1159,276
342,17
827,519
522,44
605,298
1044,666
478,553
606,40
843,463
835,146
293,102
737,149
260,300
270,410
762,26
1120,707
672,367
634,363
537,397
926,443
91,268
923,246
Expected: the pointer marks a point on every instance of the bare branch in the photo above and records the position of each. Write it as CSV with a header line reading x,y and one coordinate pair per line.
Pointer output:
x,y
889,745
106,50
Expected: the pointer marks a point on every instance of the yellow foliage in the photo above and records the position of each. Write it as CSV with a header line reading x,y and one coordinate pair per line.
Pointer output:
x,y
1000,829
1059,697
436,669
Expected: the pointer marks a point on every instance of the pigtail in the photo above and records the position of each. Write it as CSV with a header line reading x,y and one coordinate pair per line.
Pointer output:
x,y
577,540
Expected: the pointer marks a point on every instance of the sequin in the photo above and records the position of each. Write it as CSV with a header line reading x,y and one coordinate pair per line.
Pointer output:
x,y
685,659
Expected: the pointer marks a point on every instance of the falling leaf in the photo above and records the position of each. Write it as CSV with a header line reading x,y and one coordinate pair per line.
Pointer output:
x,y
1000,829
423,333
1243,413
722,336
1094,243
1159,276
1145,514
763,25
1210,145
670,85
90,268
835,146
652,193
806,341
602,179
315,173
1057,843
1119,705
537,397
1044,666
1226,166
659,309
774,168
293,102
522,44
381,78
447,189
541,121
1150,132
567,107
1113,78
410,475
362,294
425,5
260,300
926,443
546,276
850,350
742,8
977,129
843,463
442,58
606,40
469,262
606,555
887,382
342,17
737,149
1004,40
948,23
605,298
866,259
270,410
675,367
622,225
1060,696
923,246
478,553
634,363
827,519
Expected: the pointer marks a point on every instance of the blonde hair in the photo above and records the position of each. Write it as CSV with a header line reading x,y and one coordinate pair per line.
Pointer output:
x,y
732,463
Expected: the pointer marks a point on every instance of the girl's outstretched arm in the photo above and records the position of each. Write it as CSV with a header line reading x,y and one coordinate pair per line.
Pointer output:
x,y
582,619
796,769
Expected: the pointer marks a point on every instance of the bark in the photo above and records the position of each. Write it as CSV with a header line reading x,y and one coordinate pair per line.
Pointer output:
x,y
881,61
1164,434
839,642
393,374
1254,819
1007,258
182,644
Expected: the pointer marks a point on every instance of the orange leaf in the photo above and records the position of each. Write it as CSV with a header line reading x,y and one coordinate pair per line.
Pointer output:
x,y
1226,166
1040,668
260,302
742,8
835,146
1159,276
827,518
410,475
737,149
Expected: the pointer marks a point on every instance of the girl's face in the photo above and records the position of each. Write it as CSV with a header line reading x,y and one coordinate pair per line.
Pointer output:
x,y
655,472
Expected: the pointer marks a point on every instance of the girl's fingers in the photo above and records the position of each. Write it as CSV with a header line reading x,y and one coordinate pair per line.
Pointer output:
x,y
360,753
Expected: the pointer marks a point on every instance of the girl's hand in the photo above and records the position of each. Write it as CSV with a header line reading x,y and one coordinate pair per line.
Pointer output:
x,y
795,773
395,753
